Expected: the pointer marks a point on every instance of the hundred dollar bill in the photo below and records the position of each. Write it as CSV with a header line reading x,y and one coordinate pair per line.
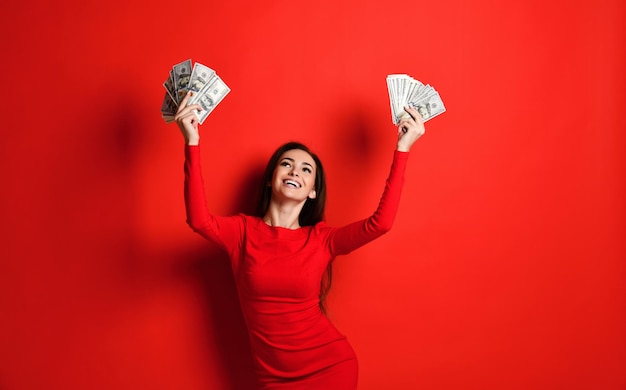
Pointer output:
x,y
201,75
391,88
209,97
169,86
182,73
405,91
206,88
429,106
399,86
168,108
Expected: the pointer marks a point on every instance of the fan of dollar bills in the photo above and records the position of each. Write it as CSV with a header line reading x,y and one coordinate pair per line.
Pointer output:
x,y
207,87
405,91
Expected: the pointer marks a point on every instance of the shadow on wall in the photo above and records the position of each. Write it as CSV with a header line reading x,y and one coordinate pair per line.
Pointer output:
x,y
206,268
354,152
355,135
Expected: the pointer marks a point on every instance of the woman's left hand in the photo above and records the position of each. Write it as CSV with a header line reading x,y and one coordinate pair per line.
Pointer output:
x,y
409,129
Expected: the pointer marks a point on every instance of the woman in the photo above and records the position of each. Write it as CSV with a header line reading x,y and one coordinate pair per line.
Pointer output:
x,y
280,256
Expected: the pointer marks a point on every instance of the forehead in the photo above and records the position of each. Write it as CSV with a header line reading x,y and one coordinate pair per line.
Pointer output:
x,y
299,156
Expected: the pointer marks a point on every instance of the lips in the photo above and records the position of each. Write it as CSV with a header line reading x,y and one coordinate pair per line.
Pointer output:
x,y
292,183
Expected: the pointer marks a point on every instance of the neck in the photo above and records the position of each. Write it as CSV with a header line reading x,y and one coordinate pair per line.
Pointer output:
x,y
283,215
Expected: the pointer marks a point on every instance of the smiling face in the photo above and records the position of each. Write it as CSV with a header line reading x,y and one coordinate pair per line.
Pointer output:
x,y
294,176
271,188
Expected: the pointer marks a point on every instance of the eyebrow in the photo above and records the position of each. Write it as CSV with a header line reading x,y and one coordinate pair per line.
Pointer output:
x,y
292,160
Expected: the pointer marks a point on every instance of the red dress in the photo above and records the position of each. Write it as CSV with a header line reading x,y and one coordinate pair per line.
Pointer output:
x,y
278,272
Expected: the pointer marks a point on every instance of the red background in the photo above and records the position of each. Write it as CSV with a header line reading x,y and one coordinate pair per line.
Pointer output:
x,y
505,268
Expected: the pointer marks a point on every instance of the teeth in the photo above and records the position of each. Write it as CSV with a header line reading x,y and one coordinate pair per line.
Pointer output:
x,y
293,183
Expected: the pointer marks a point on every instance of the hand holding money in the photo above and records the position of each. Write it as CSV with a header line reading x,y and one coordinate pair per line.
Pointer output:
x,y
206,87
405,91
410,129
187,120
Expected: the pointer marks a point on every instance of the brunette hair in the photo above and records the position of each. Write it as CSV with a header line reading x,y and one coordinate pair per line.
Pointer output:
x,y
313,210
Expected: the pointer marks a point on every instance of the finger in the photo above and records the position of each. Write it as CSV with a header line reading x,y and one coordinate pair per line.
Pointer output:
x,y
411,111
407,123
415,114
184,111
194,107
183,102
418,117
409,126
184,115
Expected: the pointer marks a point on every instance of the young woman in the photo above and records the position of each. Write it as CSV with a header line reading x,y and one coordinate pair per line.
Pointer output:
x,y
279,257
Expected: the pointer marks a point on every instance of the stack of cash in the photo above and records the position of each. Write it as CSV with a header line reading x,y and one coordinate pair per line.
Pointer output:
x,y
207,89
405,91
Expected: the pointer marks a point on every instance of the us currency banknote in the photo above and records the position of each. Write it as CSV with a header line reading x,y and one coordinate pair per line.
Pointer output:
x,y
168,108
169,86
405,91
201,75
182,74
209,97
207,88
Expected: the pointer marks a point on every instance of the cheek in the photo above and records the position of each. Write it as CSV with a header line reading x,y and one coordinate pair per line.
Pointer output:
x,y
277,172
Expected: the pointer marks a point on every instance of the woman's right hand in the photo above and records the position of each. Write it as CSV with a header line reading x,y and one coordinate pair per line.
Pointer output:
x,y
188,121
409,129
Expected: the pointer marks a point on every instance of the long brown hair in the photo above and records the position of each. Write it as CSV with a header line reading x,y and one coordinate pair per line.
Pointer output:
x,y
313,210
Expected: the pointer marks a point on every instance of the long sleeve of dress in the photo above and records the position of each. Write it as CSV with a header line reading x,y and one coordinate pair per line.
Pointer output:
x,y
350,237
224,231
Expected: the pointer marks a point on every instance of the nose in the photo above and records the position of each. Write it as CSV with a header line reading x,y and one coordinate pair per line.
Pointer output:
x,y
293,172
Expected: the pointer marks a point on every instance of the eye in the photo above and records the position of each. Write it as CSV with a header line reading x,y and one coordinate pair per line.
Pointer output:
x,y
285,164
306,170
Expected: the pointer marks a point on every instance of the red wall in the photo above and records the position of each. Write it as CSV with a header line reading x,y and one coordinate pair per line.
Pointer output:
x,y
505,268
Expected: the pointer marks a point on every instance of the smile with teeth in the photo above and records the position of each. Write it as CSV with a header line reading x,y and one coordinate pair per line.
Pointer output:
x,y
292,183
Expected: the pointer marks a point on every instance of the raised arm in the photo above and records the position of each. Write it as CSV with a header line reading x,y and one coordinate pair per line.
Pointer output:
x,y
225,231
350,237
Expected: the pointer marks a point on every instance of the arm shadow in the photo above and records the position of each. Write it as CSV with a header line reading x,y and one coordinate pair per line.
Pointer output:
x,y
204,266
208,267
